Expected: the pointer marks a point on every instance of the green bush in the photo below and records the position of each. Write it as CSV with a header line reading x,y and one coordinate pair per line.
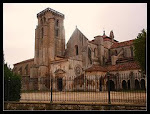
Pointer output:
x,y
12,85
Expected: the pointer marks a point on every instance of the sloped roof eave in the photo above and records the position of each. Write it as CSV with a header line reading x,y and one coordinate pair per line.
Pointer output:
x,y
118,67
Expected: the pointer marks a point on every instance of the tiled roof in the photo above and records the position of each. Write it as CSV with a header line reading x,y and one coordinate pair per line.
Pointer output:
x,y
29,60
122,44
123,67
96,68
117,67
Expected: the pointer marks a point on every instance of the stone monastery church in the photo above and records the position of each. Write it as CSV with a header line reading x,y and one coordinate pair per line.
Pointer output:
x,y
82,65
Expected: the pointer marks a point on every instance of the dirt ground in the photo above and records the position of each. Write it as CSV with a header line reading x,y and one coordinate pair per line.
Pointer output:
x,y
124,97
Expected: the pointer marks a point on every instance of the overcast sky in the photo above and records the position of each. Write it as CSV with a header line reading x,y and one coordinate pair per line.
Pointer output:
x,y
19,23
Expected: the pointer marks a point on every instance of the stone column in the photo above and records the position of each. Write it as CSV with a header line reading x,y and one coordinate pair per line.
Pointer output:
x,y
132,80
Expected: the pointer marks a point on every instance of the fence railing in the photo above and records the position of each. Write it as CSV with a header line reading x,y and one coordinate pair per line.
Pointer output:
x,y
104,89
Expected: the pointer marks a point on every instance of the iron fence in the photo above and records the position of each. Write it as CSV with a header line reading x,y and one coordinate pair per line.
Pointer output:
x,y
108,88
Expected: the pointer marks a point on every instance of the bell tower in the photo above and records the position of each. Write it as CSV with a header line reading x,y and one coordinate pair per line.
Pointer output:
x,y
49,40
49,36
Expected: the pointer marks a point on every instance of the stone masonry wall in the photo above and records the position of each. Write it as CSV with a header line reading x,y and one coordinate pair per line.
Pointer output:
x,y
70,106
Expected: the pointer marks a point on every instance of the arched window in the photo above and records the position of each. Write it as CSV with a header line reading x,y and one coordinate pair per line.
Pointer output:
x,y
100,84
137,85
143,84
76,49
112,85
128,84
42,32
124,84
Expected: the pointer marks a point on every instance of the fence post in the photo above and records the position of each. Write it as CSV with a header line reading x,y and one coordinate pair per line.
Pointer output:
x,y
108,75
51,91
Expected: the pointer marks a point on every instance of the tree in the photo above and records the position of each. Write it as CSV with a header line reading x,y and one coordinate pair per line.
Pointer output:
x,y
140,50
12,85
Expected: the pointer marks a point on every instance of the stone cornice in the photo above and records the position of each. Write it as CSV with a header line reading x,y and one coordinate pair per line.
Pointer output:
x,y
50,10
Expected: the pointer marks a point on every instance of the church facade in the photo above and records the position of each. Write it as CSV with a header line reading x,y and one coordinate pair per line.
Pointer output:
x,y
79,64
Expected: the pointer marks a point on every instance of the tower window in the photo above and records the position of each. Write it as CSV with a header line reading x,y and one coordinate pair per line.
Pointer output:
x,y
57,22
76,49
57,32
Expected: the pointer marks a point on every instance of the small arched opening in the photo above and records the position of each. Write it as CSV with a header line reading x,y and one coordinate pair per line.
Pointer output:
x,y
100,84
137,85
128,84
142,84
124,85
76,49
59,84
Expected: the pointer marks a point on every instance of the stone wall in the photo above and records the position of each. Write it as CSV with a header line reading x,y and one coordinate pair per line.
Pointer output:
x,y
77,39
70,106
65,69
128,76
24,69
24,64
